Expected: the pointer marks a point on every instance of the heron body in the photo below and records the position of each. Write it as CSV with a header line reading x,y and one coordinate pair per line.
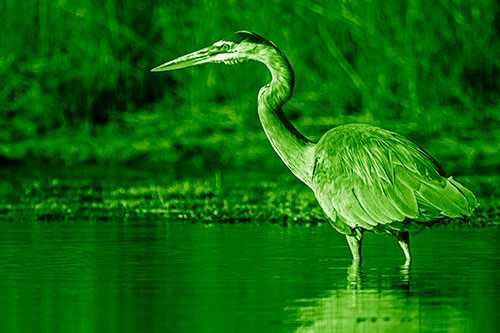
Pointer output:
x,y
364,177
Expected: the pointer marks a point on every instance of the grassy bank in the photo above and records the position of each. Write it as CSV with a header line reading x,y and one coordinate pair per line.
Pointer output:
x,y
77,91
91,194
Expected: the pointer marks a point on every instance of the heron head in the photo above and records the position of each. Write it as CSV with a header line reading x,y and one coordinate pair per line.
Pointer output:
x,y
239,47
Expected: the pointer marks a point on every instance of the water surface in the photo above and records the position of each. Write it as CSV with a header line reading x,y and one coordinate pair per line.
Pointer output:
x,y
152,277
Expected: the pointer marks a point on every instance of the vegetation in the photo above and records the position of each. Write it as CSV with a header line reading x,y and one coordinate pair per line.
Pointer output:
x,y
77,91
77,85
88,194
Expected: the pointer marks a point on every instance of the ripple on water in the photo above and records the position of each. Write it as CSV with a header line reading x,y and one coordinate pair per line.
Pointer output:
x,y
192,278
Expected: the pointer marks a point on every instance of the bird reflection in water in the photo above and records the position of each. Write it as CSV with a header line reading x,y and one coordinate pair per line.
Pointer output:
x,y
354,276
373,300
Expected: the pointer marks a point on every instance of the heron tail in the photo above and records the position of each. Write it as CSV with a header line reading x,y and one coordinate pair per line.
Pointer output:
x,y
446,198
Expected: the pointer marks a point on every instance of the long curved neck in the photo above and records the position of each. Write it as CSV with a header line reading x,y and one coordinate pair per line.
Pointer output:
x,y
292,147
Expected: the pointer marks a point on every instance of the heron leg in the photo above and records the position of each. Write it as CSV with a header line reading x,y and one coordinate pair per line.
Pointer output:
x,y
354,242
404,241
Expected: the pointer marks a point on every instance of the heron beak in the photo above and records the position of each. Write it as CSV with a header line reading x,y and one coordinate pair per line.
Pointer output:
x,y
196,58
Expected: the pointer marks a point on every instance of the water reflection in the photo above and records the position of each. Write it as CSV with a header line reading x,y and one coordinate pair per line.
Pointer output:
x,y
377,300
157,277
356,275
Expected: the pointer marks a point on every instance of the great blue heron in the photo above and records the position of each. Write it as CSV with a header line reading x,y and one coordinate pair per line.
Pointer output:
x,y
364,177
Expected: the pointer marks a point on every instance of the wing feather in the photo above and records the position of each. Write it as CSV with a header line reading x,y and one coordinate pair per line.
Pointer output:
x,y
352,212
365,176
404,195
381,213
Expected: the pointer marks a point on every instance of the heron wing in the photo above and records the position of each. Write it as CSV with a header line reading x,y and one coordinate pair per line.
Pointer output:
x,y
365,176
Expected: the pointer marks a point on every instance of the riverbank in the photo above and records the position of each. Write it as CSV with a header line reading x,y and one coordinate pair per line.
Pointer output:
x,y
101,193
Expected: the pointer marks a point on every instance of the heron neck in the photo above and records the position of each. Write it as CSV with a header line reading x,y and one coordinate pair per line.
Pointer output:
x,y
292,147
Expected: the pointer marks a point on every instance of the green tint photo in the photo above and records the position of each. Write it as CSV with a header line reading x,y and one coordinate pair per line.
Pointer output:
x,y
305,166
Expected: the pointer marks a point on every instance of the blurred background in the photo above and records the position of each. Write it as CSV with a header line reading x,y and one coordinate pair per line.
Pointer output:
x,y
89,136
76,86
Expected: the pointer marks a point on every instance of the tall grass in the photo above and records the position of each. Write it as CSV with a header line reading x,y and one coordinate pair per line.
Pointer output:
x,y
77,87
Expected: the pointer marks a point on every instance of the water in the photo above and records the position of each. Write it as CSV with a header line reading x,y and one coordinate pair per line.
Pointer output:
x,y
151,277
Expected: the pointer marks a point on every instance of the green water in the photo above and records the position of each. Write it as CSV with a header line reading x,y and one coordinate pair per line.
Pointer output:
x,y
151,277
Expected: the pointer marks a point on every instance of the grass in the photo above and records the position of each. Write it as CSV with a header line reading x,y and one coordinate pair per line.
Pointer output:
x,y
77,86
77,91
87,194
